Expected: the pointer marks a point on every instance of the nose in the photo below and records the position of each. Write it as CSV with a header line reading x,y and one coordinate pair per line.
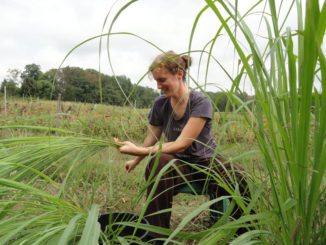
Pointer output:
x,y
159,86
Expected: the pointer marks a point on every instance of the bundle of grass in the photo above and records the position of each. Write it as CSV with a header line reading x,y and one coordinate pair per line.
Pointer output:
x,y
29,154
32,216
38,207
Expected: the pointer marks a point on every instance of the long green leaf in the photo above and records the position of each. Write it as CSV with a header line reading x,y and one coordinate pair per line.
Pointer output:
x,y
91,232
68,232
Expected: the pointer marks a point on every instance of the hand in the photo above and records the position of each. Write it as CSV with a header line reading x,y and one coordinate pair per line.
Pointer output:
x,y
127,147
130,165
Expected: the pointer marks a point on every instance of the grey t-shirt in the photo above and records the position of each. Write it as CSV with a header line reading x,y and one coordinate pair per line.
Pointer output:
x,y
198,105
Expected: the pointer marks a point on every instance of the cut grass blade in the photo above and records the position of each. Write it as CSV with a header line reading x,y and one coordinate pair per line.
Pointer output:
x,y
91,232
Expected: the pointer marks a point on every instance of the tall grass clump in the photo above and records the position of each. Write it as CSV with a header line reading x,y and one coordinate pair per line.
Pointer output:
x,y
41,200
289,112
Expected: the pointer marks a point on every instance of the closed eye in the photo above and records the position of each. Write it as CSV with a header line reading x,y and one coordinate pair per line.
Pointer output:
x,y
161,80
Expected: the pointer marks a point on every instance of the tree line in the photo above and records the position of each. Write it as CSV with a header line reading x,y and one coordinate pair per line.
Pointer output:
x,y
82,85
75,84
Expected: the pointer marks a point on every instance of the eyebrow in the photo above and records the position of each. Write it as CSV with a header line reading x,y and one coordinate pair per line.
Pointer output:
x,y
160,79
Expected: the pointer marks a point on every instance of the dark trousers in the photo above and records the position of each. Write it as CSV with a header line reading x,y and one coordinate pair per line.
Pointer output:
x,y
163,196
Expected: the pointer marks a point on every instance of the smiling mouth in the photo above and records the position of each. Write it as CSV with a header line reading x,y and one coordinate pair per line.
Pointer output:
x,y
164,91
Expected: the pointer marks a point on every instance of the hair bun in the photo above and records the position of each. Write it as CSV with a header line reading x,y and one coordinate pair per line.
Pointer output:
x,y
187,60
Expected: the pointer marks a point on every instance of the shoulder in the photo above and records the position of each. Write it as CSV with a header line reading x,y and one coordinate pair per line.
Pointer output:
x,y
198,97
200,105
160,102
155,115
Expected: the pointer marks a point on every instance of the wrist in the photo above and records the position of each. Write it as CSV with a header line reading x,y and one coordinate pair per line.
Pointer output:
x,y
145,151
152,150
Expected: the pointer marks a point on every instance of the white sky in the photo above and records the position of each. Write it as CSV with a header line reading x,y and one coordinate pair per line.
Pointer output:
x,y
43,32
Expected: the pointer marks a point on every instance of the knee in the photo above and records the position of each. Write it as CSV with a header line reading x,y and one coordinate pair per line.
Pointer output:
x,y
162,161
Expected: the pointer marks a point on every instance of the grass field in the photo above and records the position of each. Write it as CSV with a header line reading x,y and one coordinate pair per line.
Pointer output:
x,y
58,172
102,179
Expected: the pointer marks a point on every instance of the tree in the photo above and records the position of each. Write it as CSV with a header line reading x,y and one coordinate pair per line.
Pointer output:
x,y
28,87
11,82
30,75
55,78
77,85
44,89
14,75
31,71
11,87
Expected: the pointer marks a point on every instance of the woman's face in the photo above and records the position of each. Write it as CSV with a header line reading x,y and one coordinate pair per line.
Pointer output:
x,y
168,83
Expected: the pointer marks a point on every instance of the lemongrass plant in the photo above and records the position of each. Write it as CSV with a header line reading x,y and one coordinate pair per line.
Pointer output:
x,y
38,207
32,216
292,139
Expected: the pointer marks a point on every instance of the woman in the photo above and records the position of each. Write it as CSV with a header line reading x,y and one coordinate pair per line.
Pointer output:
x,y
184,115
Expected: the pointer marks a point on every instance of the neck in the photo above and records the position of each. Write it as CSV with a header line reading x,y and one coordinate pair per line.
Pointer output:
x,y
182,95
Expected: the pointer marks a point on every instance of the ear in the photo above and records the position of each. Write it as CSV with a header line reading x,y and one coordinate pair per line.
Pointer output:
x,y
180,73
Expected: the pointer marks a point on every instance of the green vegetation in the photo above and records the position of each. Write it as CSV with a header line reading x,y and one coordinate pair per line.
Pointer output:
x,y
75,84
76,165
292,142
55,180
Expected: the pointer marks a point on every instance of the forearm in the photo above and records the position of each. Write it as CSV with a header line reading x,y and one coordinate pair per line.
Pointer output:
x,y
154,133
149,141
169,147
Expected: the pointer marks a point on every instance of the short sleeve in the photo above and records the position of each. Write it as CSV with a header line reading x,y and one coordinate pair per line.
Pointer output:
x,y
201,106
155,116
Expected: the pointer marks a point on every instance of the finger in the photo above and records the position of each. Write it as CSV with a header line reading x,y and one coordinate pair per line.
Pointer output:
x,y
122,143
130,169
116,140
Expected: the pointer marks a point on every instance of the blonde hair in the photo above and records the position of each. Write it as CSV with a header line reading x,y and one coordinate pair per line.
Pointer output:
x,y
172,62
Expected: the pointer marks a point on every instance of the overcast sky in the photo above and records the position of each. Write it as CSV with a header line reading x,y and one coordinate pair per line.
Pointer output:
x,y
44,31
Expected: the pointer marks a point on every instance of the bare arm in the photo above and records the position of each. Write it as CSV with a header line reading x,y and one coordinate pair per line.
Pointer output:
x,y
189,133
153,135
